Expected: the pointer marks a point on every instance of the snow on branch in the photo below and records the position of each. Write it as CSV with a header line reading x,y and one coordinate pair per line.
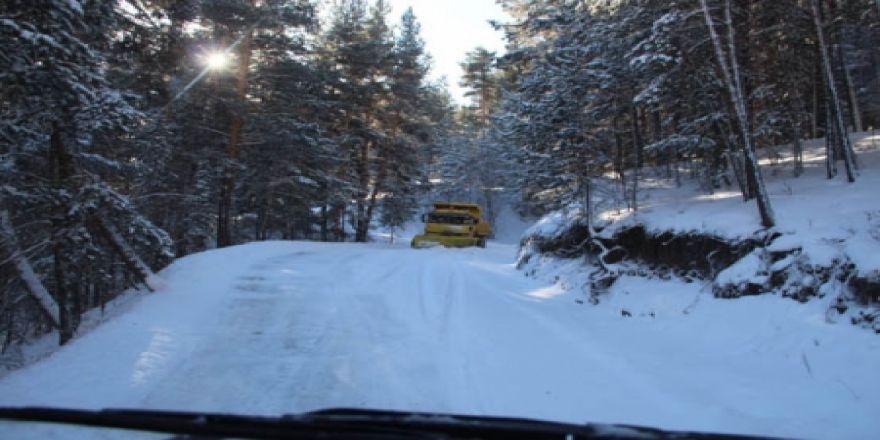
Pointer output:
x,y
128,255
32,283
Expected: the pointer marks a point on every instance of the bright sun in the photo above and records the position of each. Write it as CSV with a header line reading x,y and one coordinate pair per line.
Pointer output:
x,y
216,60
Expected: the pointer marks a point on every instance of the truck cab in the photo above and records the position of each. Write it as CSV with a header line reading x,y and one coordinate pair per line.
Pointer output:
x,y
453,224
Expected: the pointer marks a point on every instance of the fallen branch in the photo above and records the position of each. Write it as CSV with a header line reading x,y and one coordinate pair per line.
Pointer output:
x,y
25,270
132,261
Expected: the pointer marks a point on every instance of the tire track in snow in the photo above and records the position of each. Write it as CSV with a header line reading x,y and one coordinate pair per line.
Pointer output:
x,y
272,328
253,325
461,334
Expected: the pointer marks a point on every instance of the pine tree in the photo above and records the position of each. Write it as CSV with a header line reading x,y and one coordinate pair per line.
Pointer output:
x,y
59,116
254,33
480,78
409,124
380,87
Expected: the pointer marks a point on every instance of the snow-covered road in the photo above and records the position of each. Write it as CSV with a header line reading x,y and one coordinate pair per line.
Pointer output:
x,y
282,327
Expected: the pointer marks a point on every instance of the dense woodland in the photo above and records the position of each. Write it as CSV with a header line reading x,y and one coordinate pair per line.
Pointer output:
x,y
121,149
605,90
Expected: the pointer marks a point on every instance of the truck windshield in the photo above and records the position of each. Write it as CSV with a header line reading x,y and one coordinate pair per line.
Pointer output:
x,y
454,219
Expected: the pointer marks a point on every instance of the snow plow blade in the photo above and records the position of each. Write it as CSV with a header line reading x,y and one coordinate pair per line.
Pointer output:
x,y
427,241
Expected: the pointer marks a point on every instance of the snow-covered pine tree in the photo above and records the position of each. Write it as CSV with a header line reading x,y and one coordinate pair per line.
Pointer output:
x,y
357,46
257,35
235,22
409,126
480,78
383,123
59,120
290,154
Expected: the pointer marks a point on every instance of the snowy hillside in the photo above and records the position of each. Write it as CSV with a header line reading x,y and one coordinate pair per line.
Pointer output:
x,y
281,327
826,241
824,217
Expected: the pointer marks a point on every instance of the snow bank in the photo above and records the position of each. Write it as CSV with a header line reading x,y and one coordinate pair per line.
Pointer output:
x,y
554,223
747,270
826,241
808,206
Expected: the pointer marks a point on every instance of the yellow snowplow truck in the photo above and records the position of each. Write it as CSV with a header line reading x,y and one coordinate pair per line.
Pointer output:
x,y
453,225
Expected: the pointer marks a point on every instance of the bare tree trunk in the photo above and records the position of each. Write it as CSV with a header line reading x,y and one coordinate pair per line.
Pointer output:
x,y
360,216
676,165
233,147
258,219
734,84
839,50
263,218
638,146
619,164
749,173
797,133
830,146
339,216
587,189
733,160
364,226
658,126
484,97
62,295
840,126
814,121
62,171
855,111
797,150
325,220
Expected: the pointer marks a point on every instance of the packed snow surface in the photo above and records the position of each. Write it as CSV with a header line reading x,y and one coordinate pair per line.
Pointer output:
x,y
285,327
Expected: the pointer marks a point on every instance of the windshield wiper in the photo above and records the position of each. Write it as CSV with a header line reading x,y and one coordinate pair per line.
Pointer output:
x,y
342,423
